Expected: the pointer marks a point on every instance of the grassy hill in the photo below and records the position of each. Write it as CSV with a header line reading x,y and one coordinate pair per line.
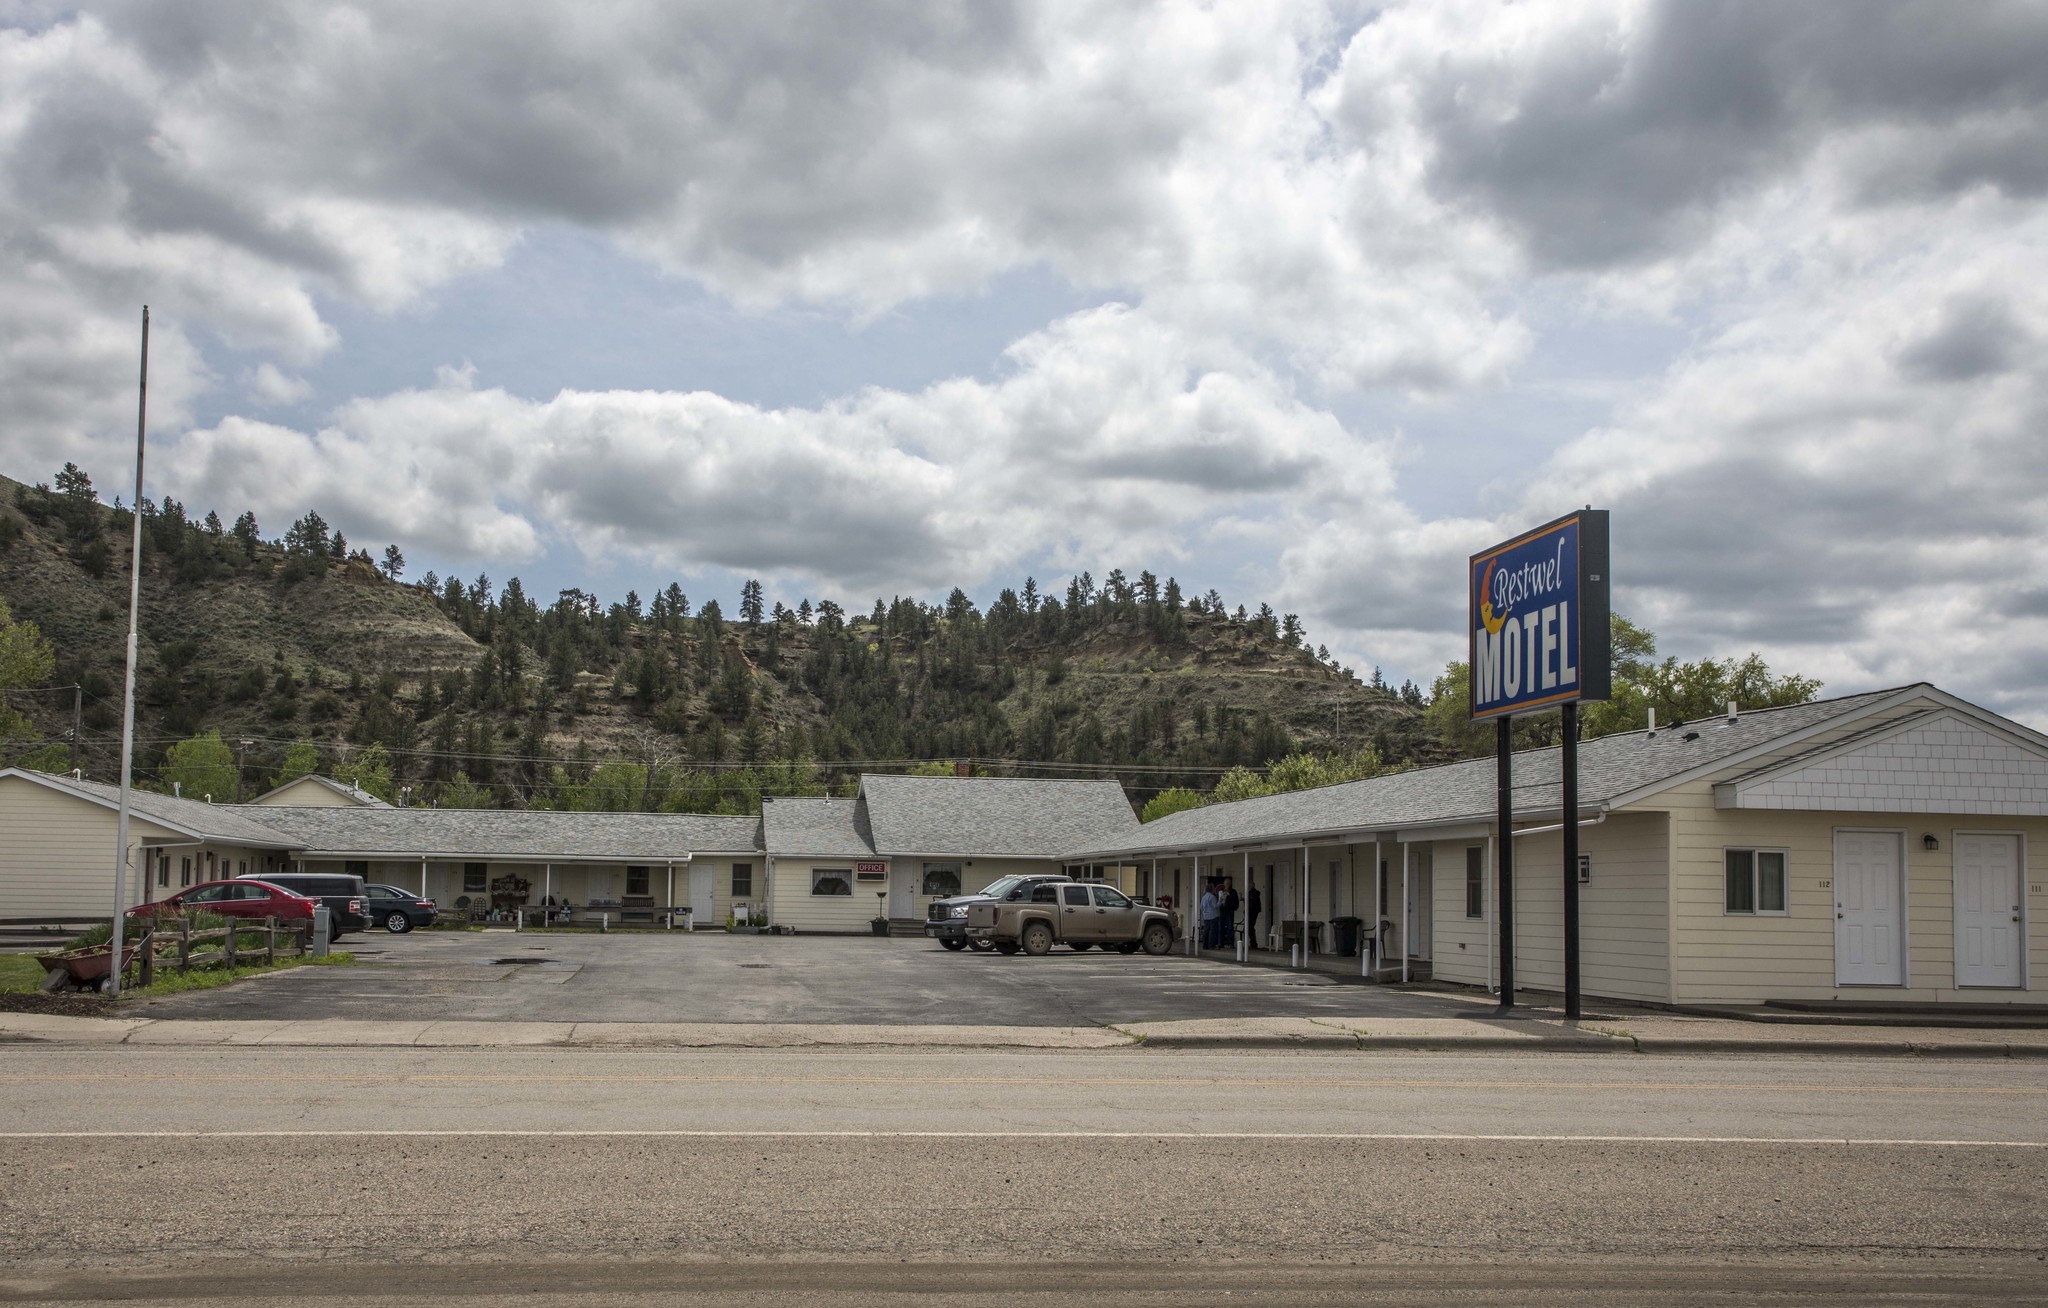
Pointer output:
x,y
270,641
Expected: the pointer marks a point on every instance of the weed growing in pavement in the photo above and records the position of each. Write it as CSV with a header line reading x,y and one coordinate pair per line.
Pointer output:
x,y
210,978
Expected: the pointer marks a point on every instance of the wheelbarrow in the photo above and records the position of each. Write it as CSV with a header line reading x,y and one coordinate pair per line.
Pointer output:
x,y
90,968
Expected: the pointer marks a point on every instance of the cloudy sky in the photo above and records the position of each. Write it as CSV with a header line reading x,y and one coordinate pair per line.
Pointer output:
x,y
1303,302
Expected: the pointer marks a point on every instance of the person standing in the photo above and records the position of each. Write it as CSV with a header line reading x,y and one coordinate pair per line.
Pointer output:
x,y
1227,913
1212,907
1251,915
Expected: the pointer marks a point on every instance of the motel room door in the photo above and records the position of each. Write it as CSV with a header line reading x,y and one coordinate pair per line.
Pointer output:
x,y
1987,872
703,883
1869,909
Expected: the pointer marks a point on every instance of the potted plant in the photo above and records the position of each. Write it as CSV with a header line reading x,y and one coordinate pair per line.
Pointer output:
x,y
879,923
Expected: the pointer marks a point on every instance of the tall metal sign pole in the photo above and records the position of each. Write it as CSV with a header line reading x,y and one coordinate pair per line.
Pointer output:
x,y
128,698
1539,639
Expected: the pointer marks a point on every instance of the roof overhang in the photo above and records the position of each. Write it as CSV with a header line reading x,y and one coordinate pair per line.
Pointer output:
x,y
194,836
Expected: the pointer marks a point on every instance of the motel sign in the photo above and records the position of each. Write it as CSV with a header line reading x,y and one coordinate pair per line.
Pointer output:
x,y
1539,618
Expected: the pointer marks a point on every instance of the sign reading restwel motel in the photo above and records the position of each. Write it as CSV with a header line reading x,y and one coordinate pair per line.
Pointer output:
x,y
1539,618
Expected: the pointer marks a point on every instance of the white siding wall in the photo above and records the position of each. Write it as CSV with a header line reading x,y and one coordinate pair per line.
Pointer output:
x,y
57,855
1622,912
1738,958
795,906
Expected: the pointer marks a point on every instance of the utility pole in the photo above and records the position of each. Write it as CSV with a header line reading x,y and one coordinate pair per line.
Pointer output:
x,y
77,723
128,696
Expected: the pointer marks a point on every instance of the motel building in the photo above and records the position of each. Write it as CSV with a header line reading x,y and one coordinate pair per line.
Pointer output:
x,y
1882,847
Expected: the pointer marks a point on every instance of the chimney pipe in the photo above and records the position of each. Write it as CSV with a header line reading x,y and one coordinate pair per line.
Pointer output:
x,y
1651,734
177,790
1732,714
961,768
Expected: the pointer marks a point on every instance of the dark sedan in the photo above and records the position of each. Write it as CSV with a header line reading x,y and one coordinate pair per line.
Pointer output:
x,y
396,909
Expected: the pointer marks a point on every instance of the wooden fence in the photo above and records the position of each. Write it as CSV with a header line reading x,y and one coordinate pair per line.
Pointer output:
x,y
183,948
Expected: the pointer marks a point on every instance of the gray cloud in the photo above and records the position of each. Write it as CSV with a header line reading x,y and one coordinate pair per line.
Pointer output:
x,y
1619,141
1978,337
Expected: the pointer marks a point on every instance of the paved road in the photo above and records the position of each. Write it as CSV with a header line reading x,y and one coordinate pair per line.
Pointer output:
x,y
742,1176
714,977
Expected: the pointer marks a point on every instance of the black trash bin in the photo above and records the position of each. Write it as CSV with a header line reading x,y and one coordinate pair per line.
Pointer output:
x,y
1345,931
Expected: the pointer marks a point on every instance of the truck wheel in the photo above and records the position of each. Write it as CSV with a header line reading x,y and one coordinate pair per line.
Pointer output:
x,y
1005,947
1157,938
1079,945
980,946
1127,947
954,943
1037,939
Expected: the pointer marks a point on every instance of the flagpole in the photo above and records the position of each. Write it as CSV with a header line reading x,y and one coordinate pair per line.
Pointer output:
x,y
128,697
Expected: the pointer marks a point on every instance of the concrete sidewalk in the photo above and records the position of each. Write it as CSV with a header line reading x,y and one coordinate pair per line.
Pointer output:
x,y
1641,1035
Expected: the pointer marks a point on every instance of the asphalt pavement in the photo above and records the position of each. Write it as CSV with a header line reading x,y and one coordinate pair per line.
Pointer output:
x,y
577,1176
710,976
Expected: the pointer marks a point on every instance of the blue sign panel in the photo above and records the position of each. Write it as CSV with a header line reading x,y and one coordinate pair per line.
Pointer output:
x,y
1539,618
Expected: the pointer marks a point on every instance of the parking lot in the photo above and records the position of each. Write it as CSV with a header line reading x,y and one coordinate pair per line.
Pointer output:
x,y
714,977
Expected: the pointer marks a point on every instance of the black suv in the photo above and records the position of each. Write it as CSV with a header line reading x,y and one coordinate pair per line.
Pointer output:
x,y
345,896
946,919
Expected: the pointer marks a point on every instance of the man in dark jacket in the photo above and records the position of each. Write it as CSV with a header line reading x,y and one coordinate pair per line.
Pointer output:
x,y
1230,903
1251,915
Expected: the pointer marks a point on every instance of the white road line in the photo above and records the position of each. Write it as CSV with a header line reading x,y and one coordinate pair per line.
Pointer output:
x,y
1362,1136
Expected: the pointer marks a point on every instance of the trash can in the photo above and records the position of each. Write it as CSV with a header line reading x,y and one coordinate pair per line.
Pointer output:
x,y
1344,931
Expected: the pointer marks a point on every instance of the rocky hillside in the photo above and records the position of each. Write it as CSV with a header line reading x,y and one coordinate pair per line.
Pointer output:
x,y
270,641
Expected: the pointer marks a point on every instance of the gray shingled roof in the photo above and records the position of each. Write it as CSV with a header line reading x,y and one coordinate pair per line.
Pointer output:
x,y
225,822
350,793
1609,767
835,828
479,833
994,815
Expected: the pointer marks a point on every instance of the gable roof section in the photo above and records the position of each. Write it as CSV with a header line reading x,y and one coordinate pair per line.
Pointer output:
x,y
831,828
358,797
1613,770
1936,761
480,834
187,817
1020,817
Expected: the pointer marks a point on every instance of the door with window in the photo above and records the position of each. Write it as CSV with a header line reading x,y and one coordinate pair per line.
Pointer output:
x,y
1869,909
1987,894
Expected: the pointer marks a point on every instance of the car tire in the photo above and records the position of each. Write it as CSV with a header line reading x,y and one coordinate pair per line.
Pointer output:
x,y
1004,947
954,943
397,923
1036,940
981,946
1158,939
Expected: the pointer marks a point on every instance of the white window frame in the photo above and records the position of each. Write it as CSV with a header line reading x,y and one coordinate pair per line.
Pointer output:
x,y
1756,881
845,875
925,871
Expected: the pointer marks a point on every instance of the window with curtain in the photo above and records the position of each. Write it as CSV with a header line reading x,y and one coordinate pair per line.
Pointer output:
x,y
1755,881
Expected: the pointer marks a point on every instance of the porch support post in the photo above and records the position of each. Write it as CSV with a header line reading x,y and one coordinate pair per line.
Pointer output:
x,y
1407,945
1304,905
1570,765
1504,784
1244,937
423,878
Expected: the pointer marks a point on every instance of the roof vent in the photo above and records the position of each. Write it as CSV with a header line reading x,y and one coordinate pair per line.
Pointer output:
x,y
1651,734
1733,714
177,790
1692,735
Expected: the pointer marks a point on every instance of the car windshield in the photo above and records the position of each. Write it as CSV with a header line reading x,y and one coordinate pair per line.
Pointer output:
x,y
1002,886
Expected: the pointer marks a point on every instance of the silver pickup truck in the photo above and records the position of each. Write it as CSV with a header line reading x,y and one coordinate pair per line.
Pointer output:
x,y
1078,914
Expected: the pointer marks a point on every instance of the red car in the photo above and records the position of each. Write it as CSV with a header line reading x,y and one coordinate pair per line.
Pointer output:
x,y
241,898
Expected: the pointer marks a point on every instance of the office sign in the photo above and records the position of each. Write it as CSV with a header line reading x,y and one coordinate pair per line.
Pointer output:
x,y
1539,618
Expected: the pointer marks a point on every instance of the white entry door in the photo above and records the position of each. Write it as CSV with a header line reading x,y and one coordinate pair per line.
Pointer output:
x,y
702,882
1869,914
1988,949
903,888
